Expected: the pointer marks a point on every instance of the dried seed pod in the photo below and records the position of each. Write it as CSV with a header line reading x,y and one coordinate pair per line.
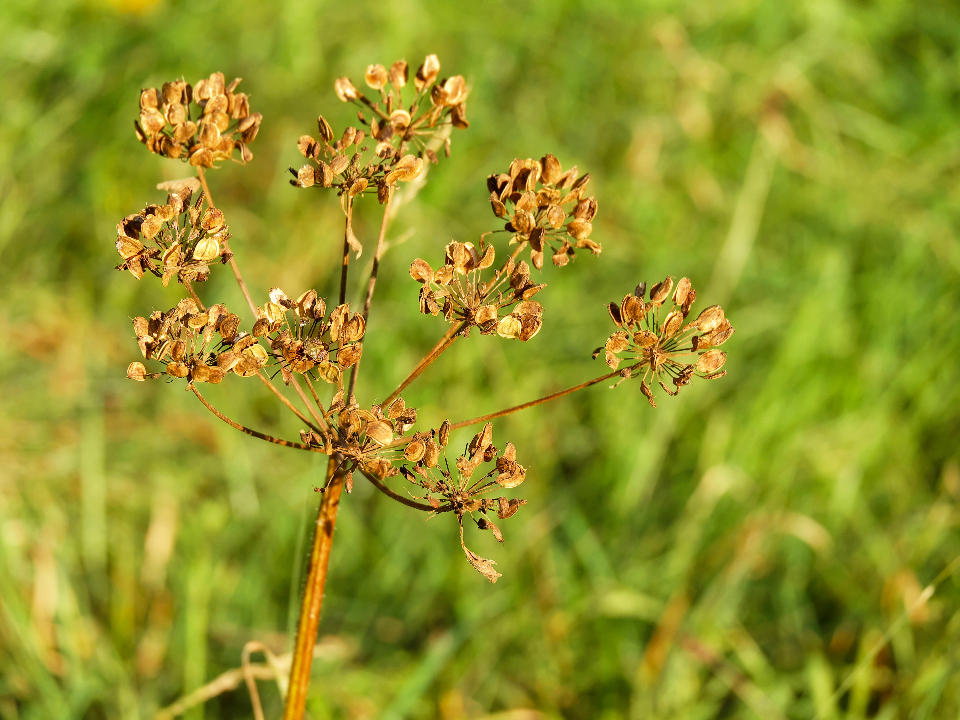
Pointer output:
x,y
376,76
349,355
682,292
709,318
380,432
431,454
443,435
136,371
711,361
660,291
415,451
345,89
672,323
427,72
323,127
509,327
398,74
421,271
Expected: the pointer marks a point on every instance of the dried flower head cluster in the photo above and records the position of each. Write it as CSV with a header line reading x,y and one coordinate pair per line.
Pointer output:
x,y
199,123
544,205
474,285
667,348
502,304
179,239
456,490
402,137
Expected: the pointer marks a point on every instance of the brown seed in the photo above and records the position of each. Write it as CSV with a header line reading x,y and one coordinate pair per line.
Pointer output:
x,y
579,229
709,318
339,163
329,372
345,89
431,454
645,339
227,360
427,72
415,451
711,361
552,170
443,436
421,271
672,323
326,132
398,74
152,121
682,291
305,145
136,371
349,355
380,432
178,370
305,176
376,76
660,291
648,393
509,327
617,342
207,249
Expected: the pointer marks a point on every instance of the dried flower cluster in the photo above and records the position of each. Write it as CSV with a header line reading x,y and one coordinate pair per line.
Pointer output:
x,y
544,205
202,123
457,489
657,345
182,239
474,285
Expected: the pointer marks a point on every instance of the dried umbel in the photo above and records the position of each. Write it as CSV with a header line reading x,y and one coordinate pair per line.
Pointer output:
x,y
500,304
461,490
302,342
202,124
179,239
666,347
544,205
183,340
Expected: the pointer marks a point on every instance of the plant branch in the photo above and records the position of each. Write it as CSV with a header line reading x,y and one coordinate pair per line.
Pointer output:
x,y
399,498
377,254
312,601
316,397
196,298
313,413
285,401
248,431
538,401
442,344
226,247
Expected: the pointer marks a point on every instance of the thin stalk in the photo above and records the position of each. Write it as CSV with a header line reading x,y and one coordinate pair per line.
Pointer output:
x,y
532,403
226,246
399,498
303,396
346,251
442,344
316,398
285,401
248,431
312,601
378,253
196,298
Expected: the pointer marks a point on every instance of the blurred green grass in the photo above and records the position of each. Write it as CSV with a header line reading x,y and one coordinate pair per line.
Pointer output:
x,y
735,553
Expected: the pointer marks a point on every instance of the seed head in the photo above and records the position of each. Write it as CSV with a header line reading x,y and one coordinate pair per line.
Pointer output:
x,y
667,346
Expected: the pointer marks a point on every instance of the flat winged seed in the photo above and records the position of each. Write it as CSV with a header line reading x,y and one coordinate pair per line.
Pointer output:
x,y
710,318
345,89
615,314
645,339
443,434
617,342
682,291
376,76
711,361
672,323
207,249
612,360
178,370
660,291
329,372
380,432
631,309
427,72
509,327
421,271
306,176
354,328
349,355
136,371
720,336
228,360
487,259
212,220
415,451
305,145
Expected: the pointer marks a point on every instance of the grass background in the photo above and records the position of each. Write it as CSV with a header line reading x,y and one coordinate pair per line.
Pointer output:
x,y
739,552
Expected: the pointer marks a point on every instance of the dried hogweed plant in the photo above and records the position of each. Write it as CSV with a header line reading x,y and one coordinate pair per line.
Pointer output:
x,y
316,345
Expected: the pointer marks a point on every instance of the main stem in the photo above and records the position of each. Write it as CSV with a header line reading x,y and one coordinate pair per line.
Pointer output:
x,y
312,600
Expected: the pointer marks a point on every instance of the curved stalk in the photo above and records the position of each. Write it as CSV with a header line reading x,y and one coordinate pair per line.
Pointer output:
x,y
442,344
